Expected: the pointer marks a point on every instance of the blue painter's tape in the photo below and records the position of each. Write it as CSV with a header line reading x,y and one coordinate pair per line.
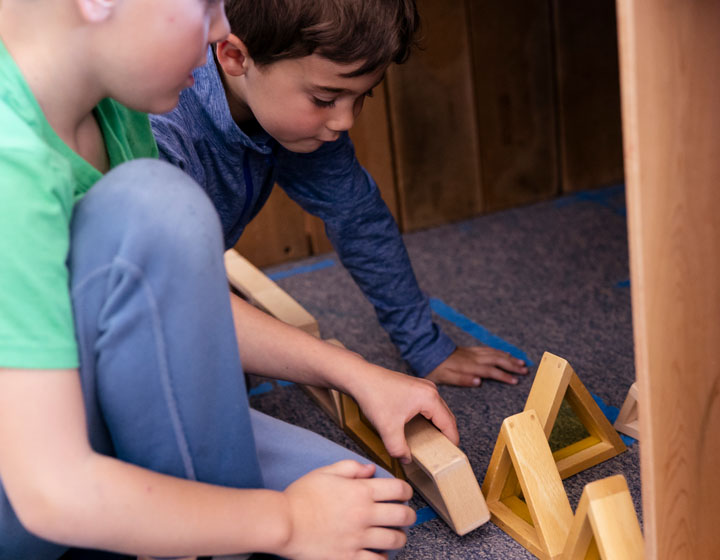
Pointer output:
x,y
261,389
424,514
284,383
478,331
603,197
612,413
623,284
279,275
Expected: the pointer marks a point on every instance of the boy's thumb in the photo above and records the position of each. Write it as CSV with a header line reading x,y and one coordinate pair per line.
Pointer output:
x,y
397,447
350,469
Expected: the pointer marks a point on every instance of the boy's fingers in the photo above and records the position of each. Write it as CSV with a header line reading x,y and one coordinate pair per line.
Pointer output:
x,y
349,469
393,515
369,555
390,490
445,422
381,538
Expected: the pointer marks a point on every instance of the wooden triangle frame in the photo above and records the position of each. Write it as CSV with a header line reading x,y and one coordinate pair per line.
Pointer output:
x,y
555,380
627,421
526,498
440,471
605,524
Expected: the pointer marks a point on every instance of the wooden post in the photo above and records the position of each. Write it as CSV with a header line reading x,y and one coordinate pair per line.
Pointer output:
x,y
670,85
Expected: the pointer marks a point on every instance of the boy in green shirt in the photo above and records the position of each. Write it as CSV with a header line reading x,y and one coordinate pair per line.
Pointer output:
x,y
124,423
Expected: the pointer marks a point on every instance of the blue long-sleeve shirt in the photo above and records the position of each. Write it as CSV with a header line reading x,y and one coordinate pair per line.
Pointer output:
x,y
238,172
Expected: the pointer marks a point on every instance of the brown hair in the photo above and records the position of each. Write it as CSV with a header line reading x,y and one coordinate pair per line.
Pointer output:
x,y
376,32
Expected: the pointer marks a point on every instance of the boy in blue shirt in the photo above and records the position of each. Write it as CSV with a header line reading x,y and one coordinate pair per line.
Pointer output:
x,y
274,103
124,422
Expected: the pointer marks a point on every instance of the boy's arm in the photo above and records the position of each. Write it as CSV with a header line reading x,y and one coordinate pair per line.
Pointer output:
x,y
331,184
389,399
64,492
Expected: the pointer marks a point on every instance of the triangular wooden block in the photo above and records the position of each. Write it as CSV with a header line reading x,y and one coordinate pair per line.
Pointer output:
x,y
627,420
526,498
605,525
554,381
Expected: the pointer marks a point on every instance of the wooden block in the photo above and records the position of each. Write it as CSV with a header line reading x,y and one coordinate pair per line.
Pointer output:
x,y
535,511
627,420
605,524
554,381
442,475
262,292
440,471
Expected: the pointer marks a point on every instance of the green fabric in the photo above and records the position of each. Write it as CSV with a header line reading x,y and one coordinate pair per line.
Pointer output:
x,y
41,179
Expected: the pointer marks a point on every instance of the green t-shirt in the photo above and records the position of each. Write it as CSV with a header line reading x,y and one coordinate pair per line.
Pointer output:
x,y
41,179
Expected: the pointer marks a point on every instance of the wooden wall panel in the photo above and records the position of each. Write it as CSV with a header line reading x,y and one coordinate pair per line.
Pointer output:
x,y
670,62
277,234
588,90
513,71
433,124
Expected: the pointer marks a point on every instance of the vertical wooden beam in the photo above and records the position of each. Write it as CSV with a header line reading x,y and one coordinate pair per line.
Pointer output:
x,y
513,77
432,113
588,92
670,81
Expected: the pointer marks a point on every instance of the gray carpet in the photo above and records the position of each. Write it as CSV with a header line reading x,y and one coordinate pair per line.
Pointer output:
x,y
548,277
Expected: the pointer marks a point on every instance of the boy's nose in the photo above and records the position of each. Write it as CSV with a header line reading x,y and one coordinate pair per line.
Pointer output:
x,y
342,119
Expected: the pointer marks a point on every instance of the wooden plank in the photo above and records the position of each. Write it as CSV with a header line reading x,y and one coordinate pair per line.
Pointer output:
x,y
432,113
514,101
670,56
588,91
442,474
605,524
277,234
542,489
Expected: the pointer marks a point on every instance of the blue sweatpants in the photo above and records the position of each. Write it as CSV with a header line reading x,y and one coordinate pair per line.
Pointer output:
x,y
161,374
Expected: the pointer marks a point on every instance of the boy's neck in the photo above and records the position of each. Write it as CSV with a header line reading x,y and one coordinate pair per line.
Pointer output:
x,y
58,80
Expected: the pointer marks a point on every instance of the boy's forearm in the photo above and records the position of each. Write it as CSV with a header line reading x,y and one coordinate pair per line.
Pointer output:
x,y
271,348
131,510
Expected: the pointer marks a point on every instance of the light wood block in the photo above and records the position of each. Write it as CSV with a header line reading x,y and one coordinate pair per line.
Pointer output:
x,y
265,294
554,381
527,499
605,524
442,475
440,471
627,421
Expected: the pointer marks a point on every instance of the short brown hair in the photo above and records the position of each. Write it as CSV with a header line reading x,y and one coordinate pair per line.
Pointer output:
x,y
376,32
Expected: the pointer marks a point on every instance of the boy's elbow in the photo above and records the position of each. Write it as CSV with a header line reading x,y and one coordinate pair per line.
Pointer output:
x,y
43,507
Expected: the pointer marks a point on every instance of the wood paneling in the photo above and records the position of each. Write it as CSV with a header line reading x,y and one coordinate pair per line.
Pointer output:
x,y
277,233
670,62
432,113
588,89
513,71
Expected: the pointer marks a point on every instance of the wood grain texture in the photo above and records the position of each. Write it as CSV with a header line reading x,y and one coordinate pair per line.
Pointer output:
x,y
432,112
277,234
627,421
588,92
670,77
513,74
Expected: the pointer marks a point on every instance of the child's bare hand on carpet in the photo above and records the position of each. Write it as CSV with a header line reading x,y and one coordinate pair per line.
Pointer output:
x,y
468,366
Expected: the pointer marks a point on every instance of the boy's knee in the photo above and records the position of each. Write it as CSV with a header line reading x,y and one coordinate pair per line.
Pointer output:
x,y
153,203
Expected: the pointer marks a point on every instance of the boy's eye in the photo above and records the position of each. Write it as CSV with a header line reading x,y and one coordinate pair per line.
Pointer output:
x,y
323,103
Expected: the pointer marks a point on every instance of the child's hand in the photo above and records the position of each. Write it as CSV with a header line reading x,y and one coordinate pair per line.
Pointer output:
x,y
390,400
467,367
338,512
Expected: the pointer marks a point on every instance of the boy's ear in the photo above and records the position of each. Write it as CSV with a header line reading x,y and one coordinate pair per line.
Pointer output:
x,y
233,56
96,10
